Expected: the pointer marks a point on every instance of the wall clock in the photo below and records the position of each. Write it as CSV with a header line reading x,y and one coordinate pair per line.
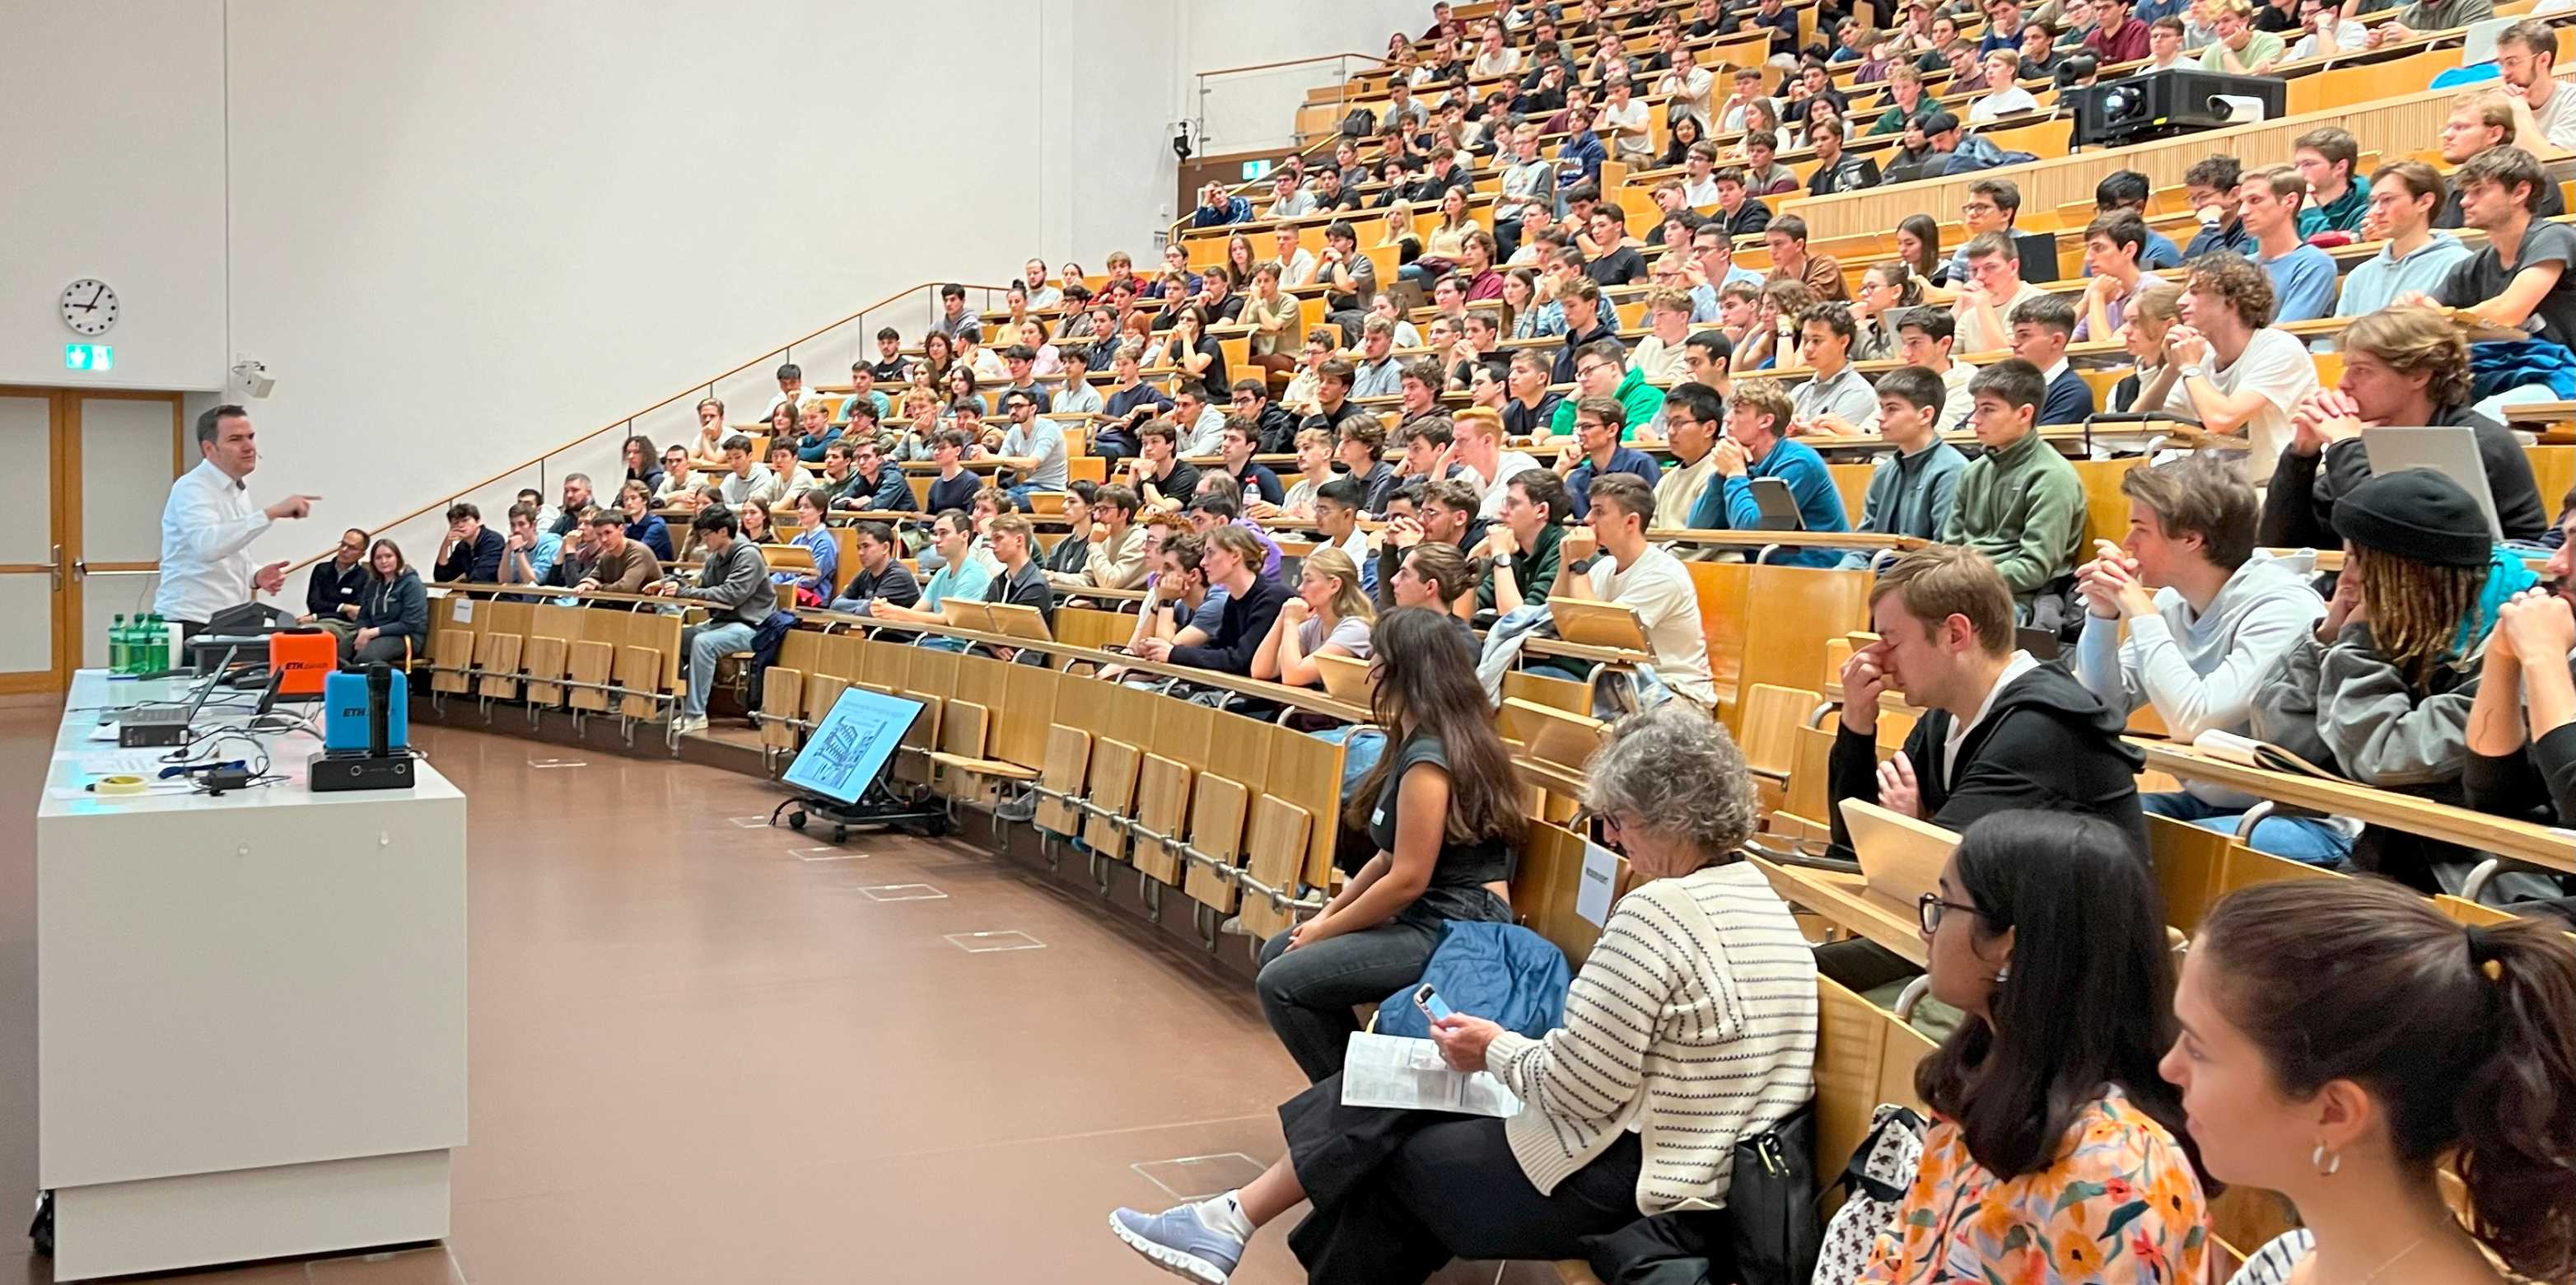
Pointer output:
x,y
89,306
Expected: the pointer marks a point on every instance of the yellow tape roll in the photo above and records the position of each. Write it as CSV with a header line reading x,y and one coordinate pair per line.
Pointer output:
x,y
119,785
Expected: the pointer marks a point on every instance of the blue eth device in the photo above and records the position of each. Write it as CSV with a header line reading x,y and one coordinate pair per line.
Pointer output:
x,y
344,714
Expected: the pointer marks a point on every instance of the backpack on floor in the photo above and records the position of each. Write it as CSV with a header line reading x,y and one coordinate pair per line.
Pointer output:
x,y
1874,1184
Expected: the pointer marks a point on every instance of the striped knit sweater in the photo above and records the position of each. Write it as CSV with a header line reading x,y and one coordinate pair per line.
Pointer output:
x,y
1695,1018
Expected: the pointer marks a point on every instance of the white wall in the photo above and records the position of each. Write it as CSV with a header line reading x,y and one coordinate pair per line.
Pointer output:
x,y
113,144
1254,110
459,234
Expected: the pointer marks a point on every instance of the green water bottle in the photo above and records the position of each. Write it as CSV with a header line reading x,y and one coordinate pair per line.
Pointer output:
x,y
119,647
156,646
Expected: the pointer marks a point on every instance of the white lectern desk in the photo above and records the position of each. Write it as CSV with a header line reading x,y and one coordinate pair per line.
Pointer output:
x,y
251,1009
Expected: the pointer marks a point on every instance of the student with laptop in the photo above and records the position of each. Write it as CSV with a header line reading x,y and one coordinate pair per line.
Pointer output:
x,y
2000,730
2406,366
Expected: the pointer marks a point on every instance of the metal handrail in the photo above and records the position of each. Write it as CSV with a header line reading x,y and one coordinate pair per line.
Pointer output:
x,y
706,386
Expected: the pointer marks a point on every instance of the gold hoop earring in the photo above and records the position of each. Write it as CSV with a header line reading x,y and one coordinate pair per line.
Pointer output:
x,y
2326,1163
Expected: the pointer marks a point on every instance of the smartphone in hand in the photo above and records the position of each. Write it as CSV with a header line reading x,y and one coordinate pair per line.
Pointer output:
x,y
1429,1001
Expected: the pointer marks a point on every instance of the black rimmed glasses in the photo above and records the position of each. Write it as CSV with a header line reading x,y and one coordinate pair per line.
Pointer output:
x,y
1929,907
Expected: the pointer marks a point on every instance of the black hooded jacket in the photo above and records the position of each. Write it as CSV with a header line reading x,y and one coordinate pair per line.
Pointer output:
x,y
2047,744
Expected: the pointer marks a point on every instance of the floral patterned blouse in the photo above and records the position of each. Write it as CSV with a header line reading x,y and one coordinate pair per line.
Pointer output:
x,y
2121,1205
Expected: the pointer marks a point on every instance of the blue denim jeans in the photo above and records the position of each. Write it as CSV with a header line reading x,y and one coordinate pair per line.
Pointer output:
x,y
2306,840
705,646
1362,747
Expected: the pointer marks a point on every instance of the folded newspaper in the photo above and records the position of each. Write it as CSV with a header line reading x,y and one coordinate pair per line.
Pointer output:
x,y
1391,1071
2248,752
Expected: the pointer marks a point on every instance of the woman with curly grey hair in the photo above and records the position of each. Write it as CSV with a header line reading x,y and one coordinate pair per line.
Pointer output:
x,y
1694,1019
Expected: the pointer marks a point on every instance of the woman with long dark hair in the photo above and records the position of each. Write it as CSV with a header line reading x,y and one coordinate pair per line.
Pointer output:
x,y
1918,243
643,464
2343,1042
2056,1150
1442,806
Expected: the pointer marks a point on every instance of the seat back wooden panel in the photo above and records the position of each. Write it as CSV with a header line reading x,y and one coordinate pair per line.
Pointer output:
x,y
1026,712
1162,806
498,656
1770,715
838,655
1544,887
799,650
2106,510
822,692
545,657
1799,609
2191,864
1555,693
982,679
1306,771
1721,587
1281,836
591,662
1129,714
1114,764
639,670
932,673
1216,829
887,666
782,695
1066,770
963,728
912,754
1864,1056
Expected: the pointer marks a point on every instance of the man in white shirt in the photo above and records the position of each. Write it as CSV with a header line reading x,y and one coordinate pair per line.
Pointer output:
x,y
208,523
1296,262
2002,97
1699,175
1033,280
1288,197
1694,416
1837,390
746,479
2526,56
1629,570
1622,123
1994,288
1924,337
1658,356
2240,372
1686,87
1478,443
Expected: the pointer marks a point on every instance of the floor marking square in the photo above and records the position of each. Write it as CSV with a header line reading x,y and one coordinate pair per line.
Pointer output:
x,y
826,854
750,823
1200,1177
986,943
903,892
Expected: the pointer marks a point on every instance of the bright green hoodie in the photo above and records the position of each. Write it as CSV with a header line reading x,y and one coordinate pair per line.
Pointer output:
x,y
1643,400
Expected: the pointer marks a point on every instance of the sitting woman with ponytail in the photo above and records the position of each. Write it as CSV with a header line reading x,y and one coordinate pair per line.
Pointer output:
x,y
2056,1151
2342,1041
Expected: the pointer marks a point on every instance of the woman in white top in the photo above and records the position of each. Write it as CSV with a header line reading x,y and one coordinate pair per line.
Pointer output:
x,y
1033,336
2351,1047
1694,1020
2003,97
1330,615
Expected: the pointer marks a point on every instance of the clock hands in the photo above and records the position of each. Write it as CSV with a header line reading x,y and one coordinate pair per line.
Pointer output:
x,y
92,305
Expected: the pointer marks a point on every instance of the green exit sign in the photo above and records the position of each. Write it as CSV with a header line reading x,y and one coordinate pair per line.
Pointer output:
x,y
89,357
1255,169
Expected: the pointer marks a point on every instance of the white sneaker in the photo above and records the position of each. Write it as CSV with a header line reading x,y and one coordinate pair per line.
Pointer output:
x,y
683,724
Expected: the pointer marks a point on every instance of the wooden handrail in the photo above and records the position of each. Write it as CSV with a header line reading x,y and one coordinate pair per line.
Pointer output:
x,y
622,421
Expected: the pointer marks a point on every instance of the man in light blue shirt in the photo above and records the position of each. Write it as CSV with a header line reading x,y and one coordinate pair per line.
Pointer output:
x,y
1377,373
532,549
2404,197
1715,255
1032,448
2303,276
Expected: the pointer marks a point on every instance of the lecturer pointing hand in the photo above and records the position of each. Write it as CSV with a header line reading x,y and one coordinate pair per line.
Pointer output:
x,y
208,525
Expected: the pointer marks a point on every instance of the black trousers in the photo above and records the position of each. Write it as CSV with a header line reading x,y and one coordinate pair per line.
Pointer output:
x,y
1397,1194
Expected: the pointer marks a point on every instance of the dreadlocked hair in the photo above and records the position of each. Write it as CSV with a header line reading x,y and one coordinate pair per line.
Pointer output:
x,y
2417,609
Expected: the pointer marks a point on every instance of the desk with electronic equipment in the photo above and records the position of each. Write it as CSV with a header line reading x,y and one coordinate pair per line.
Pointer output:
x,y
251,1006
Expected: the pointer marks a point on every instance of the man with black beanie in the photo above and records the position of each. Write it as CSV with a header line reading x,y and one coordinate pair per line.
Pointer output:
x,y
2381,691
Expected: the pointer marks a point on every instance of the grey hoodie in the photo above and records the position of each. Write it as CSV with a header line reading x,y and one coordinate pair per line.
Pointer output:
x,y
2202,672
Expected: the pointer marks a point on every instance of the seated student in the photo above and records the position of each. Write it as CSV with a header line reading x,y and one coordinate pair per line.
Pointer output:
x,y
2239,372
1232,561
1063,563
1361,448
2019,504
2041,327
1032,449
1984,307
642,524
531,550
1589,321
1756,446
734,586
2303,276
392,611
619,563
2522,728
1602,370
1018,580
1423,511
1696,1016
1330,614
2126,192
2032,738
954,486
1273,427
2056,1150
2401,366
1924,339
1484,462
1629,570
744,478
876,484
1314,470
1180,607
472,551
1912,491
1234,447
1219,504
337,585
880,577
2211,185
812,588
1520,550
1436,575
1594,450
1838,389
1163,480
963,572
2499,194
2349,1046
2417,259
2206,618
1427,870
2381,690
2482,122
1694,420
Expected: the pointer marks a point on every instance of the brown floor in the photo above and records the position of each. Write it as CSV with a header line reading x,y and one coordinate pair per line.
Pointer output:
x,y
697,1057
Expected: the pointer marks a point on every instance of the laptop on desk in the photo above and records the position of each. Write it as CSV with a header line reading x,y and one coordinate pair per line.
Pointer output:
x,y
1900,857
1597,624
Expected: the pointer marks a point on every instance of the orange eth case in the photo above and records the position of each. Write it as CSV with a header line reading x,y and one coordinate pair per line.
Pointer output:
x,y
305,658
